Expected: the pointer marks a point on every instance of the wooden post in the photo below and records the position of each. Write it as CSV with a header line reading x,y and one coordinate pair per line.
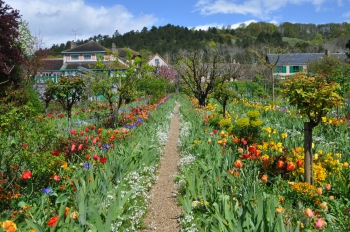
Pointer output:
x,y
308,161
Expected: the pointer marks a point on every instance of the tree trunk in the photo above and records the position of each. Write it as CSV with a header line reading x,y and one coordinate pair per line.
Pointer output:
x,y
224,109
202,100
69,116
308,160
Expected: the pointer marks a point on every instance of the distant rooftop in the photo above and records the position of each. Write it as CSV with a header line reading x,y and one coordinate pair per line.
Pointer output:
x,y
299,59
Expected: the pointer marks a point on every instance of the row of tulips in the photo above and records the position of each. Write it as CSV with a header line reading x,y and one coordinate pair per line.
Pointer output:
x,y
90,179
230,183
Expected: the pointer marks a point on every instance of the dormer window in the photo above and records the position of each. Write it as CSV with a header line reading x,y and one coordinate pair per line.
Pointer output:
x,y
74,57
87,57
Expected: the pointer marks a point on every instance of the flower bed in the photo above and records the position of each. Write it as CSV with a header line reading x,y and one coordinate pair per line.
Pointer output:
x,y
245,172
90,178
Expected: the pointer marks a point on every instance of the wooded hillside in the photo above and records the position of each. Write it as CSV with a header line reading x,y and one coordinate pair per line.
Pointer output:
x,y
169,38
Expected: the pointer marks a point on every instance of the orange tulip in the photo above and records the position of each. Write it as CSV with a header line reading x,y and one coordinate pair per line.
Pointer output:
x,y
300,163
290,166
264,178
238,164
52,221
280,164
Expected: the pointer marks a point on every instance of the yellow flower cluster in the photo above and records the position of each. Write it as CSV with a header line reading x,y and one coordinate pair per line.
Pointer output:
x,y
333,121
319,173
242,122
253,114
211,107
303,188
256,123
226,122
195,142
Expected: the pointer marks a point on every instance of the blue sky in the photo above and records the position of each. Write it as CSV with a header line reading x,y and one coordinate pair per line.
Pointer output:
x,y
58,21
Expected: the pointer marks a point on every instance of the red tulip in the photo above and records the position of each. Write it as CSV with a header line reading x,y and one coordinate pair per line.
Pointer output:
x,y
56,178
26,175
80,147
95,157
87,129
103,160
55,153
73,147
82,133
94,141
300,163
24,146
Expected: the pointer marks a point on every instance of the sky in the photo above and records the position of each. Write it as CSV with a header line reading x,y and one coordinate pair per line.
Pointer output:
x,y
59,21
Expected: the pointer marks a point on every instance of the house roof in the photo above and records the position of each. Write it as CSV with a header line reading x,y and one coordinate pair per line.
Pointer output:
x,y
298,59
88,47
159,57
52,64
88,65
122,53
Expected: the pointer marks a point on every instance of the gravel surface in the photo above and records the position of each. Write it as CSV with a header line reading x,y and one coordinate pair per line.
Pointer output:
x,y
163,213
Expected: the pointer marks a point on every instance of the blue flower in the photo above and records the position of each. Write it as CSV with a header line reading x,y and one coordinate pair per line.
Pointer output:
x,y
47,190
86,166
106,146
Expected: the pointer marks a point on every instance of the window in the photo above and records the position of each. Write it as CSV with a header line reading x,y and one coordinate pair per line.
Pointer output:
x,y
295,69
74,57
87,57
156,61
280,69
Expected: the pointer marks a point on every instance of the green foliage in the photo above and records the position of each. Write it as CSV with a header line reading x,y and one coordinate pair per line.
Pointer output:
x,y
155,88
314,96
68,91
248,127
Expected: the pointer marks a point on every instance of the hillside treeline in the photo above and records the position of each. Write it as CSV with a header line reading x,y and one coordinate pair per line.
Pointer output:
x,y
169,38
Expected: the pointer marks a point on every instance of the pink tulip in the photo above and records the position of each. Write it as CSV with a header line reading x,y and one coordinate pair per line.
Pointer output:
x,y
308,212
319,223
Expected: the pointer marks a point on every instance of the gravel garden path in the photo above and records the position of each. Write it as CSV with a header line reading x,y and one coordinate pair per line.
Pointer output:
x,y
164,212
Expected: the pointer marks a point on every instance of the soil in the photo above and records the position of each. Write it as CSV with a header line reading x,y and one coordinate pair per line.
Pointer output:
x,y
164,212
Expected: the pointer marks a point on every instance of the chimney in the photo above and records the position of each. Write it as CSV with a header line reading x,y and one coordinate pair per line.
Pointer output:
x,y
114,48
73,45
326,52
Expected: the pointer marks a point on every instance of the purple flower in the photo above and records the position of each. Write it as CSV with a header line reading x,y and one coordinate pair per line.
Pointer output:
x,y
86,166
47,190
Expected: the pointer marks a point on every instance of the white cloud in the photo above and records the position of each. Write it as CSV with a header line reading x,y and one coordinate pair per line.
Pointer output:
x,y
233,26
257,8
59,21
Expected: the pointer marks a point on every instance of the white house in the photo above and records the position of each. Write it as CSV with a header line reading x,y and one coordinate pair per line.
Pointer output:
x,y
158,61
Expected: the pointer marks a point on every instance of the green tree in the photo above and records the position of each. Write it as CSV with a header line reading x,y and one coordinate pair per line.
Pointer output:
x,y
314,96
68,91
223,94
318,39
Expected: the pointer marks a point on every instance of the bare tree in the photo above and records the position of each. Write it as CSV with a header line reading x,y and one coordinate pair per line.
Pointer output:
x,y
270,63
204,70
